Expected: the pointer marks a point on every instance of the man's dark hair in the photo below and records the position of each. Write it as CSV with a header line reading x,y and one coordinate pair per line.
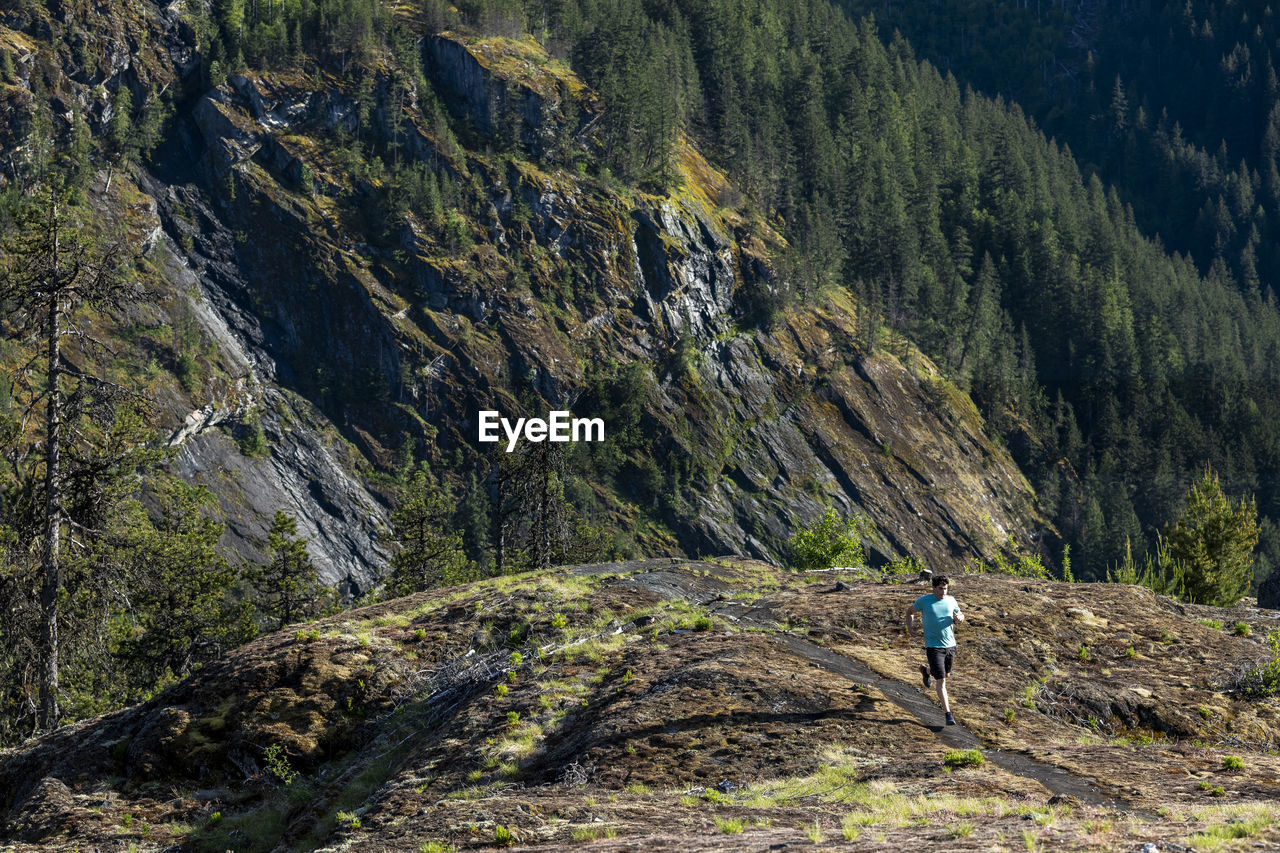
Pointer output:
x,y
941,580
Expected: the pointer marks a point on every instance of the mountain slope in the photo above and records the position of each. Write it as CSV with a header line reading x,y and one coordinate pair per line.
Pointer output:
x,y
360,265
608,702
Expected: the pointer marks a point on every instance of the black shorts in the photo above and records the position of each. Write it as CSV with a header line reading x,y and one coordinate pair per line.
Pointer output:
x,y
940,661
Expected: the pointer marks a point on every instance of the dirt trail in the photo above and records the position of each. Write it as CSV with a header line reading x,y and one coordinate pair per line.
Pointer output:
x,y
709,591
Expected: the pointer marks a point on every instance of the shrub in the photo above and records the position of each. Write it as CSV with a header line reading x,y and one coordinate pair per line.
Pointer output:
x,y
732,826
1160,573
502,835
1242,629
964,758
1232,762
908,565
835,540
1018,565
1261,679
278,764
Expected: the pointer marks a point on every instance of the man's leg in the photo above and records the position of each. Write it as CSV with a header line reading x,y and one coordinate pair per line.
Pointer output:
x,y
947,662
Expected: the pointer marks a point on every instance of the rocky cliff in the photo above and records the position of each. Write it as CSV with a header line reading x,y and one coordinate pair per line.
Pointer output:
x,y
341,329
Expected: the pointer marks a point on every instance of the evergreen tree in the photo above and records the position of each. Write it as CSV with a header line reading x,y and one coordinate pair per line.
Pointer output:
x,y
429,551
51,275
180,612
288,588
1214,540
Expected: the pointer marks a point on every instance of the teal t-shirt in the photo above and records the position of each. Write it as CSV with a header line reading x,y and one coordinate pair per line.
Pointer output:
x,y
937,619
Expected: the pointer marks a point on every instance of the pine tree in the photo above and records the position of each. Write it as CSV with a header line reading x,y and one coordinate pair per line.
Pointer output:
x,y
1214,540
52,274
429,549
288,588
181,613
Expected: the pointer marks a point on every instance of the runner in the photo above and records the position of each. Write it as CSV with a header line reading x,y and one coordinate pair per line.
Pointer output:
x,y
938,612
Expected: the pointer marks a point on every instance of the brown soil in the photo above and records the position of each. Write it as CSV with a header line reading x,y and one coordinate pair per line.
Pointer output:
x,y
715,706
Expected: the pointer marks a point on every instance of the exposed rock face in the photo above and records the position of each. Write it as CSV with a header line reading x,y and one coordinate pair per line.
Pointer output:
x,y
536,105
343,346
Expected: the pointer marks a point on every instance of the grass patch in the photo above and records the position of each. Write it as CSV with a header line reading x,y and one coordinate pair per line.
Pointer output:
x,y
594,833
1230,823
964,758
730,826
435,847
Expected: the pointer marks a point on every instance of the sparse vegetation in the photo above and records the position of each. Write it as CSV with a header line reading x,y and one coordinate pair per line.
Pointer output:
x,y
594,833
963,758
435,847
730,826
277,761
1260,678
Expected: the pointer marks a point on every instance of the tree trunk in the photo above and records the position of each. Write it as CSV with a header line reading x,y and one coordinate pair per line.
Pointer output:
x,y
544,509
52,566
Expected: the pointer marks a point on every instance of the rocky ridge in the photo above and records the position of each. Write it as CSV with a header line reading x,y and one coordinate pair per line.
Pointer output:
x,y
624,704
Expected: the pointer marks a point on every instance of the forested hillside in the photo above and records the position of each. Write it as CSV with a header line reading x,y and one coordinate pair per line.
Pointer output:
x,y
1115,367
1174,102
776,255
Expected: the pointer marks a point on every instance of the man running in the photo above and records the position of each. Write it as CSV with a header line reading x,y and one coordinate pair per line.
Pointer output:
x,y
938,612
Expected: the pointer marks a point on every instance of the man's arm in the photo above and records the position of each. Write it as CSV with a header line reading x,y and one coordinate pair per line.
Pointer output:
x,y
909,621
956,614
